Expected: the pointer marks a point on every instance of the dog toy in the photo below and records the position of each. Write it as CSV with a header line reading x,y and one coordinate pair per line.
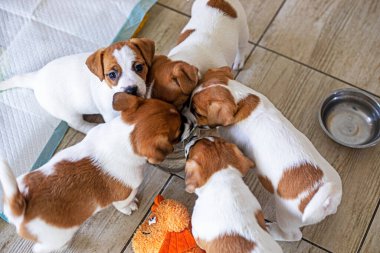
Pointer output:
x,y
167,230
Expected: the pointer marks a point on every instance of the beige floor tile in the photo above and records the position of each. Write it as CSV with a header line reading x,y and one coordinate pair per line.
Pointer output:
x,y
339,37
371,243
298,91
163,26
259,13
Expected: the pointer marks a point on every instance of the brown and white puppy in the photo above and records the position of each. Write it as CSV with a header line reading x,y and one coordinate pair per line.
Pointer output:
x,y
171,81
216,36
306,187
79,84
49,204
227,217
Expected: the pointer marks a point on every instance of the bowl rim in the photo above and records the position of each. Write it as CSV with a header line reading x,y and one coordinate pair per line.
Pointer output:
x,y
329,98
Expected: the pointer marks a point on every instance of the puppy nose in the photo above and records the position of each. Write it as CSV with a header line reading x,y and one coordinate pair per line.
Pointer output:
x,y
131,90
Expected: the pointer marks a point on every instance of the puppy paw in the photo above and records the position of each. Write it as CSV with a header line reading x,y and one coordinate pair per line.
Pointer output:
x,y
280,235
127,210
41,248
238,64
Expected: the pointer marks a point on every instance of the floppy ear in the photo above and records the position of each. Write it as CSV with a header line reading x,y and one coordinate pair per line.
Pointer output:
x,y
221,113
123,101
95,63
186,76
158,149
228,71
146,47
244,164
192,178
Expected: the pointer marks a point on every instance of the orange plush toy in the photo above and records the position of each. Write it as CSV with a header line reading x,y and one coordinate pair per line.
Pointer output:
x,y
166,231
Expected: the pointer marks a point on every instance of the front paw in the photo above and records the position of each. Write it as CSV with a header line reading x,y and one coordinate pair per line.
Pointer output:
x,y
280,235
132,206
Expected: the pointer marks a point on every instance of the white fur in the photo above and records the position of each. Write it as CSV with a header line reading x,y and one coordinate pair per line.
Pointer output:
x,y
109,146
226,206
275,145
218,40
67,89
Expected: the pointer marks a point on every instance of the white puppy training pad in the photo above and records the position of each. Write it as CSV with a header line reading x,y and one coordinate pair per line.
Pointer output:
x,y
34,32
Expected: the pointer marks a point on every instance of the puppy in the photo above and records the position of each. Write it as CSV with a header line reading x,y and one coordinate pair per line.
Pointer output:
x,y
216,36
67,89
226,217
49,204
306,187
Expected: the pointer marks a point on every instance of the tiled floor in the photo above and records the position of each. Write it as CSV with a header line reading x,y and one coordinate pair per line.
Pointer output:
x,y
301,51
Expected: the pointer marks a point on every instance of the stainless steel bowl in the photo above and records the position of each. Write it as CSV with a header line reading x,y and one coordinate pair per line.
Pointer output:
x,y
351,117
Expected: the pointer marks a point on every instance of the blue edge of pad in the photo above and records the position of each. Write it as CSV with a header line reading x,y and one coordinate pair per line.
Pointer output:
x,y
127,30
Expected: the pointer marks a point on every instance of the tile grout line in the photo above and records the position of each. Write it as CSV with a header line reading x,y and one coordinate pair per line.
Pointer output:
x,y
172,9
317,70
316,245
146,215
369,227
262,35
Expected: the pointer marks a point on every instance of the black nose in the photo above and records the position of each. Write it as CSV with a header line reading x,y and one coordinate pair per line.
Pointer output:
x,y
131,90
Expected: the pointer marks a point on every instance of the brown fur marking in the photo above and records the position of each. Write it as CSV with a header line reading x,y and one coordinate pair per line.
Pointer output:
x,y
71,194
199,167
297,180
173,81
102,61
246,106
157,125
266,183
260,219
305,201
227,244
224,7
183,36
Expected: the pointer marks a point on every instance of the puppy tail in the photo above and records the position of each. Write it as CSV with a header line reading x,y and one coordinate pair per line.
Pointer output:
x,y
19,81
12,197
324,203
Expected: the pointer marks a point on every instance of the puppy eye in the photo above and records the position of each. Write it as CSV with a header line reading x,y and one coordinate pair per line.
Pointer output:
x,y
152,220
138,67
112,75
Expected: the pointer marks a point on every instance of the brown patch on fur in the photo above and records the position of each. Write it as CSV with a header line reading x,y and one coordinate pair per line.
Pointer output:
x,y
260,219
266,183
71,194
174,81
17,204
217,76
227,244
224,7
157,125
305,201
246,106
102,61
297,180
183,36
199,167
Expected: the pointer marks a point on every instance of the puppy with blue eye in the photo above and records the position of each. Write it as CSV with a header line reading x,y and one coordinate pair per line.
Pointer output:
x,y
85,83
227,217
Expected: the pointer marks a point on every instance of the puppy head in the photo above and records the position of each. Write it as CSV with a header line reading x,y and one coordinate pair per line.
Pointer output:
x,y
173,81
157,125
209,155
124,65
212,103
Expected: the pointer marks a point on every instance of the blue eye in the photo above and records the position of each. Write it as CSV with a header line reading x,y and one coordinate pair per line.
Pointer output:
x,y
112,75
138,67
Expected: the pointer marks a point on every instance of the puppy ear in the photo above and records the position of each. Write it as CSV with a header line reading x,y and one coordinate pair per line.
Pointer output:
x,y
186,76
123,101
95,63
146,47
158,149
244,164
221,113
228,71
192,178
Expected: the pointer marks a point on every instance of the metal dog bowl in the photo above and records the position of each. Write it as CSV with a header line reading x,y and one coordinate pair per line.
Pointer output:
x,y
351,117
